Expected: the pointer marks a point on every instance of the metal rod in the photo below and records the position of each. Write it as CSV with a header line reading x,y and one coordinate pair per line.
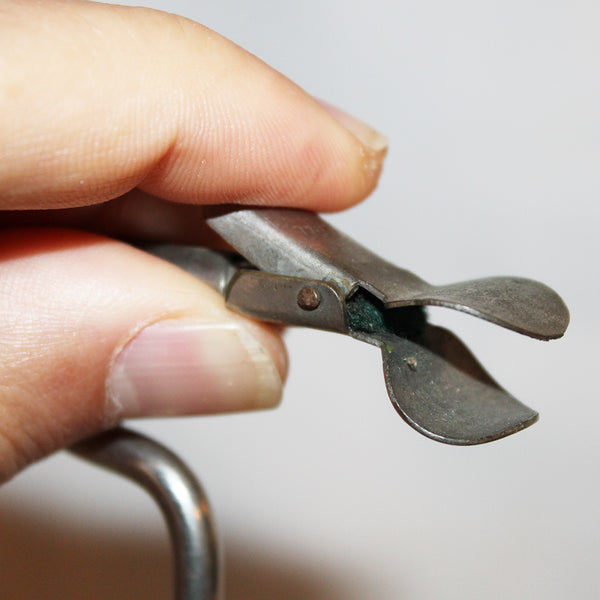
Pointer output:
x,y
181,500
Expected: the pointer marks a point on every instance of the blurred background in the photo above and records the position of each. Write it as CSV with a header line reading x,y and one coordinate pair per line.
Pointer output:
x,y
492,111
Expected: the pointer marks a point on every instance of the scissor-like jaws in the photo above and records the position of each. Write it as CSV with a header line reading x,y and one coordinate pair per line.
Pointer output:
x,y
304,272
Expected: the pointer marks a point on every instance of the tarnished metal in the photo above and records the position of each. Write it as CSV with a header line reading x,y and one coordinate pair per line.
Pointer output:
x,y
307,273
214,268
309,298
440,389
304,272
275,298
298,243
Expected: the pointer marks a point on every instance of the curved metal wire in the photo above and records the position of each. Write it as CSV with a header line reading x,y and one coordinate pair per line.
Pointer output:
x,y
181,500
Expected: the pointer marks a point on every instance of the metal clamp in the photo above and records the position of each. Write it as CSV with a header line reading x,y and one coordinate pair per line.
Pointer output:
x,y
298,270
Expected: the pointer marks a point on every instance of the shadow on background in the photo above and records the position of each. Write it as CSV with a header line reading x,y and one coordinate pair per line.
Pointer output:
x,y
45,557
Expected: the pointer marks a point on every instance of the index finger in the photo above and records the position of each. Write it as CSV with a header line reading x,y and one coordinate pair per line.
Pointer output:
x,y
96,100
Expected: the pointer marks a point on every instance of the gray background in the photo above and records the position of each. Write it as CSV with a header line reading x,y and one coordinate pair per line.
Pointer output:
x,y
492,110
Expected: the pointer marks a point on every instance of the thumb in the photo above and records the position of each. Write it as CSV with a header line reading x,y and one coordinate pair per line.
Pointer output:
x,y
88,339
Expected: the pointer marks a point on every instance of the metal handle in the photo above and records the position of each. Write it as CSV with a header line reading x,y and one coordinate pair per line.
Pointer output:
x,y
178,494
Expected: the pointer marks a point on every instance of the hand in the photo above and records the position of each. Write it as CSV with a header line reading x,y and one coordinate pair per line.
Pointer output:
x,y
125,121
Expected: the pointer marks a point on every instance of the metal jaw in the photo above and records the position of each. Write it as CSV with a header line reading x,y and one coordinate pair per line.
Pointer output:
x,y
304,272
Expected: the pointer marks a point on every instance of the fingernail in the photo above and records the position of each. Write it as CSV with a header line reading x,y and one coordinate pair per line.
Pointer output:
x,y
368,136
181,367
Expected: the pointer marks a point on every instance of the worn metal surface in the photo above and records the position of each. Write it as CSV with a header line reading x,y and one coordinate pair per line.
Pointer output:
x,y
434,382
214,268
308,298
179,495
300,244
275,298
440,389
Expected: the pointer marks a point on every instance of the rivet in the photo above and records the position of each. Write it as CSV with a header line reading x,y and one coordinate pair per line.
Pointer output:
x,y
309,298
412,363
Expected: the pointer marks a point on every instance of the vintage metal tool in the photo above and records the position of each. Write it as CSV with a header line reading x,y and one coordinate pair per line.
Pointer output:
x,y
299,270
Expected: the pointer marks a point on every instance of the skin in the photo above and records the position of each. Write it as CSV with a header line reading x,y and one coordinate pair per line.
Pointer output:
x,y
127,122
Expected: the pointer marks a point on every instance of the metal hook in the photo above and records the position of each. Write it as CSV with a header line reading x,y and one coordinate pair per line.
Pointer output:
x,y
178,494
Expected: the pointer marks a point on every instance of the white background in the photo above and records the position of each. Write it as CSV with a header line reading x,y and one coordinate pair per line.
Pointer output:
x,y
493,113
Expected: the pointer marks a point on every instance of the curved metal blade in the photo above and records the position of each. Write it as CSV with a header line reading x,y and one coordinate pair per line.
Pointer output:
x,y
523,305
440,389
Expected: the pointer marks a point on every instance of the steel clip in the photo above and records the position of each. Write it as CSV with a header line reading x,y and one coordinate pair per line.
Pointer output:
x,y
300,270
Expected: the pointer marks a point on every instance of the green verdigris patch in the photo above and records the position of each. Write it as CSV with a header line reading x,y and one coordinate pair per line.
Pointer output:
x,y
367,314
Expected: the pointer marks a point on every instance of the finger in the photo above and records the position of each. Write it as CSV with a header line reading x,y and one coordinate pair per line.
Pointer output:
x,y
88,338
99,99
